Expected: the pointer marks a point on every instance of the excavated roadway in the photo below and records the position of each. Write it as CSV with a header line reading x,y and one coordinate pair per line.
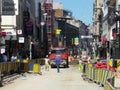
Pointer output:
x,y
68,79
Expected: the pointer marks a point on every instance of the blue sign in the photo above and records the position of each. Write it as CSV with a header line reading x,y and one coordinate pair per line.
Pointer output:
x,y
8,33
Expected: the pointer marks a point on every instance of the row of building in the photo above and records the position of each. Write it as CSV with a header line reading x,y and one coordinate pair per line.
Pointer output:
x,y
29,27
106,32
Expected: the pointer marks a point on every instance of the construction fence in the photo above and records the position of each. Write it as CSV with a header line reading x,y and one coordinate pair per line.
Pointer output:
x,y
18,67
99,76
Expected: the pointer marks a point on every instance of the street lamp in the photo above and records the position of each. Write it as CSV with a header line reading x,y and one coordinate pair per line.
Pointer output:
x,y
31,50
64,41
43,22
0,14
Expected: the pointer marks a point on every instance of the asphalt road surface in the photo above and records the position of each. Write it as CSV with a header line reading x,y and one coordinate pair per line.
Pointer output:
x,y
68,79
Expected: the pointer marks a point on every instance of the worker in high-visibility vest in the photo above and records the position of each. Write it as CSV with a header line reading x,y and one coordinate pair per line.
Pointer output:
x,y
47,63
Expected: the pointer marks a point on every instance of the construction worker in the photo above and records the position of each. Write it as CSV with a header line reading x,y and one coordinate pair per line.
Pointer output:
x,y
47,63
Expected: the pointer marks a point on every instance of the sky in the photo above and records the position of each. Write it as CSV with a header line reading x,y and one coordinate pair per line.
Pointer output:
x,y
82,9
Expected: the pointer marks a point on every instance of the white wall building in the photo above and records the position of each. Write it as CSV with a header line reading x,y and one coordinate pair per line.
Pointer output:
x,y
8,23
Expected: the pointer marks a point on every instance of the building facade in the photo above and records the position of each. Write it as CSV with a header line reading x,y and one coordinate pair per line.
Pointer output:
x,y
18,25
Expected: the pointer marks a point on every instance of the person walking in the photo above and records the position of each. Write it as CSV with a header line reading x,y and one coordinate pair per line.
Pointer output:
x,y
4,56
80,66
47,63
58,63
13,58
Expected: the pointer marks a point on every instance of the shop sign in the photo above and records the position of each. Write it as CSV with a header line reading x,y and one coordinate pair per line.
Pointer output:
x,y
3,34
8,7
21,39
57,32
8,33
89,36
29,28
76,41
19,32
2,50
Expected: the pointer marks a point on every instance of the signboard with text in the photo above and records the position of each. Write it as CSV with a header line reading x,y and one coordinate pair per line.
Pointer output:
x,y
76,41
8,7
21,40
89,36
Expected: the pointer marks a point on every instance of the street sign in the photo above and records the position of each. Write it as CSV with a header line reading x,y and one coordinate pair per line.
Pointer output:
x,y
89,36
19,32
76,41
2,50
21,39
57,31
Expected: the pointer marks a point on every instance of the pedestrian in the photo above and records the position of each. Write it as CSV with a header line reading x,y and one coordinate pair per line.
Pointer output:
x,y
80,66
58,63
47,63
13,58
5,59
19,58
89,58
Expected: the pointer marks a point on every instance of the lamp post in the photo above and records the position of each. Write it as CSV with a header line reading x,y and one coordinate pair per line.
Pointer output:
x,y
0,13
64,41
43,22
31,50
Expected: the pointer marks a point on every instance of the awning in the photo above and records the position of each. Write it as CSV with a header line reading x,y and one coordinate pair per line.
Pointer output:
x,y
1,44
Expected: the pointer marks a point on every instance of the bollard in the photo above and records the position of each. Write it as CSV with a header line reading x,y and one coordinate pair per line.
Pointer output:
x,y
30,67
36,68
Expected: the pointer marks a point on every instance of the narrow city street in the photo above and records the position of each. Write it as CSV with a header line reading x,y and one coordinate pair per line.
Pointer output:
x,y
68,79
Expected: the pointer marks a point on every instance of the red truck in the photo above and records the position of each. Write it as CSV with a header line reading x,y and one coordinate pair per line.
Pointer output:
x,y
63,53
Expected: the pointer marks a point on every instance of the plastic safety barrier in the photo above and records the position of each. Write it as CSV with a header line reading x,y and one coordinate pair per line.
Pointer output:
x,y
97,75
34,68
109,84
24,65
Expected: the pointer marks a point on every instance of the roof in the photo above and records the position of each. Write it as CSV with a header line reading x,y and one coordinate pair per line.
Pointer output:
x,y
1,44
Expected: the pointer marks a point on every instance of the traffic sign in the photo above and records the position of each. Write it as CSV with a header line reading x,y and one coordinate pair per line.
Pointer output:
x,y
19,32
